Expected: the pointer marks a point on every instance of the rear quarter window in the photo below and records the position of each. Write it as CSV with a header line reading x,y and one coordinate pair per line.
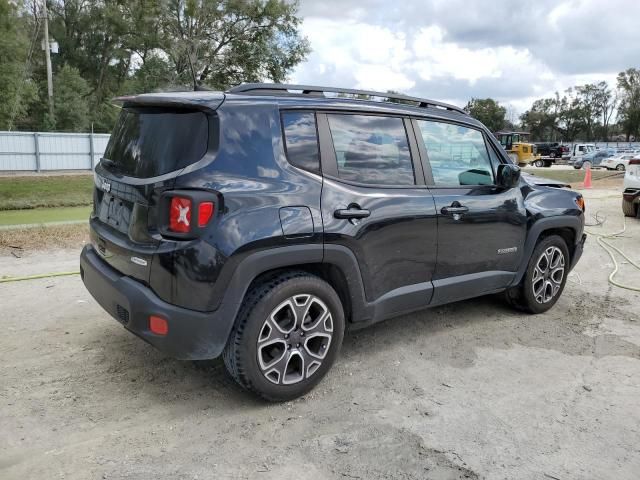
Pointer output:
x,y
301,140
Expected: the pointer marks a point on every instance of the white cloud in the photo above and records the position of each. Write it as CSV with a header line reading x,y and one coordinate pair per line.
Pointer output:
x,y
453,50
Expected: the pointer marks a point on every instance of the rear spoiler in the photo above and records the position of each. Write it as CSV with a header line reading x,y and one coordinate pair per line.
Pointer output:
x,y
201,100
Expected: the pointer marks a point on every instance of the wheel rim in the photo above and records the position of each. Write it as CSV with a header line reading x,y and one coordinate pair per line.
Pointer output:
x,y
620,167
548,275
294,339
586,165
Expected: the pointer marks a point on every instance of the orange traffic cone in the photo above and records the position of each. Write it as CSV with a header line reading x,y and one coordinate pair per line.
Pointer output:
x,y
587,178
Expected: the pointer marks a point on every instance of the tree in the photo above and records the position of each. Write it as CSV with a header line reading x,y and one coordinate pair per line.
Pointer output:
x,y
487,111
542,120
70,106
588,107
629,108
222,43
17,90
607,102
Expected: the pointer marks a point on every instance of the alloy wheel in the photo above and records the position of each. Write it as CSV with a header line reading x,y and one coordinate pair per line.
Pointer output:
x,y
548,275
294,339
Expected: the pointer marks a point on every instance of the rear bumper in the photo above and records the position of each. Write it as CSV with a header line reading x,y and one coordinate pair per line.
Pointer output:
x,y
192,335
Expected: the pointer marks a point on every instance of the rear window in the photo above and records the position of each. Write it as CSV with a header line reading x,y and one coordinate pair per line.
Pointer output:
x,y
147,142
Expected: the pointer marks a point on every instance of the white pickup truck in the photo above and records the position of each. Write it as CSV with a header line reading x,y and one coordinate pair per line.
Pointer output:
x,y
580,149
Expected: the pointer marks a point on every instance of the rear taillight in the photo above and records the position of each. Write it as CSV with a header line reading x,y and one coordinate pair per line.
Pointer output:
x,y
180,215
205,212
186,213
634,161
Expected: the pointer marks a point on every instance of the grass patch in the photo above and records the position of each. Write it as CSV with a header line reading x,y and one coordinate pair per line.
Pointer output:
x,y
17,193
44,215
573,177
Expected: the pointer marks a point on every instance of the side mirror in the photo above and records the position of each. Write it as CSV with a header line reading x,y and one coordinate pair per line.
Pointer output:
x,y
508,175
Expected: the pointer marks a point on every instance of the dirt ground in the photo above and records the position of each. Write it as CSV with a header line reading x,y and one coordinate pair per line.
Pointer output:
x,y
470,390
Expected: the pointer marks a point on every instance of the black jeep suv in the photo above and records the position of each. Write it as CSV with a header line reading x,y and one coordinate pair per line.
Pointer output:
x,y
262,222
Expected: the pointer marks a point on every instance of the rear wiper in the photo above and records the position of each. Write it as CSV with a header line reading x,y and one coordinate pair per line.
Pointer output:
x,y
110,164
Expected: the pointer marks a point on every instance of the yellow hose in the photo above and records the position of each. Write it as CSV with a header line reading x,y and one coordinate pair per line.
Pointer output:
x,y
600,238
34,277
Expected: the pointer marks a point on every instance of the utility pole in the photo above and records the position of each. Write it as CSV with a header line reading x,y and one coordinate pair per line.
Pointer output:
x,y
47,54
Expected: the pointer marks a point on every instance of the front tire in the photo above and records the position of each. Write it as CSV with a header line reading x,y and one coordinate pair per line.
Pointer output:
x,y
586,165
544,279
287,335
538,163
620,167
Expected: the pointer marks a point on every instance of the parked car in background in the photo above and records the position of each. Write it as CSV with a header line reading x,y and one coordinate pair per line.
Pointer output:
x,y
592,159
619,161
631,186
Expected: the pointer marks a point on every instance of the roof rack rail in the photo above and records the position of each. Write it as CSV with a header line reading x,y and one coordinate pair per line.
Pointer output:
x,y
274,88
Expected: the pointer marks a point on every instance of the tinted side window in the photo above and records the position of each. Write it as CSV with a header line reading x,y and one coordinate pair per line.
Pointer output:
x,y
371,149
457,154
301,140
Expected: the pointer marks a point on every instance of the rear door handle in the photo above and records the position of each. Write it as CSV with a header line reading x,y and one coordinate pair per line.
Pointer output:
x,y
454,209
352,212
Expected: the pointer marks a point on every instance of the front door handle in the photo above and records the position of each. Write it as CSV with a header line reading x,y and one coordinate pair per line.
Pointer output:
x,y
353,212
454,209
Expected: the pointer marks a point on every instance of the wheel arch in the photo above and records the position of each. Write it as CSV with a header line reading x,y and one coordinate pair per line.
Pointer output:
x,y
334,264
567,227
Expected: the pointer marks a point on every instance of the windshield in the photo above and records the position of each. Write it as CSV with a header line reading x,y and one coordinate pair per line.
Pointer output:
x,y
147,142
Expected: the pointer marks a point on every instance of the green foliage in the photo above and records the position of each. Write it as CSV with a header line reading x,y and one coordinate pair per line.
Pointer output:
x,y
629,110
18,93
112,47
71,108
487,111
583,112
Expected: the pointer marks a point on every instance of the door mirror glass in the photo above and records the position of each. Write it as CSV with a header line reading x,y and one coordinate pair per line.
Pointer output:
x,y
508,175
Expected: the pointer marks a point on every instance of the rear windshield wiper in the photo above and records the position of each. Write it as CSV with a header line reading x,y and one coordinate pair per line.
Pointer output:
x,y
106,162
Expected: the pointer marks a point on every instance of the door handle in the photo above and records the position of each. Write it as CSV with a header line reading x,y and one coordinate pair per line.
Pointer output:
x,y
353,212
454,209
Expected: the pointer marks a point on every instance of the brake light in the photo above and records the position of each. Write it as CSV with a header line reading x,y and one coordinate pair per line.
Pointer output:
x,y
180,215
205,212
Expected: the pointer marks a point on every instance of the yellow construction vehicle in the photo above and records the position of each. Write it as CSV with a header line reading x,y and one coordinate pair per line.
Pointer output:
x,y
520,151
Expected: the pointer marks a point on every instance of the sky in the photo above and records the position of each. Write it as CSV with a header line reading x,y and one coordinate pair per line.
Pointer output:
x,y
452,50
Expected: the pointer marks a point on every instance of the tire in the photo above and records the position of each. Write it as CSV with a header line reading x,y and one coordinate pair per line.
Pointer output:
x,y
268,353
620,167
538,163
629,208
552,155
586,165
538,292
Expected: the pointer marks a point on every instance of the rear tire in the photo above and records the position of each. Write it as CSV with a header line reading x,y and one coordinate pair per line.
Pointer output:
x,y
586,165
287,335
629,208
544,279
538,163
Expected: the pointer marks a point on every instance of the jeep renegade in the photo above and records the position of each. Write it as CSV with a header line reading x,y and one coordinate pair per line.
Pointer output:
x,y
261,223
